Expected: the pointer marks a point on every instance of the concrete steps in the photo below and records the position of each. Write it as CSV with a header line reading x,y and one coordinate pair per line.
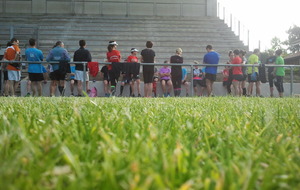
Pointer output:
x,y
167,33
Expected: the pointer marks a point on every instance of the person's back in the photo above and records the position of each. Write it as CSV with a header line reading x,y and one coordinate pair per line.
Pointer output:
x,y
81,55
34,54
58,54
213,59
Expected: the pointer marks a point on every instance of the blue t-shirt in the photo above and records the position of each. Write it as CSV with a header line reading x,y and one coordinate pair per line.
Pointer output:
x,y
184,73
33,54
213,59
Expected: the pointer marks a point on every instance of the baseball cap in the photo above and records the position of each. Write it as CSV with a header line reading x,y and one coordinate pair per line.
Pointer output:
x,y
112,43
134,50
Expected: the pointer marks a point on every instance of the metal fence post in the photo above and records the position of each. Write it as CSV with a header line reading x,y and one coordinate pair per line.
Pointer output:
x,y
84,76
192,81
292,81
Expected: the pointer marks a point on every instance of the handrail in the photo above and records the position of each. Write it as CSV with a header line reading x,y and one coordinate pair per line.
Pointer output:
x,y
167,64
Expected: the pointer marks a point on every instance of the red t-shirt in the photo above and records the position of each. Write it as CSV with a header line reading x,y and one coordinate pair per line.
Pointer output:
x,y
132,59
113,56
237,70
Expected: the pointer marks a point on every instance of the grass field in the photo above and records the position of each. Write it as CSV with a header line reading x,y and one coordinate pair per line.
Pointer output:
x,y
135,143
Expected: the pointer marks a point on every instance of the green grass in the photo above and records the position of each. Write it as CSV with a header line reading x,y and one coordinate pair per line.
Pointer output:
x,y
135,143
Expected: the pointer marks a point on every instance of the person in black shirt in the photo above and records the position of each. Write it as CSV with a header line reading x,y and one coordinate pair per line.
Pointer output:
x,y
271,60
81,55
176,71
147,56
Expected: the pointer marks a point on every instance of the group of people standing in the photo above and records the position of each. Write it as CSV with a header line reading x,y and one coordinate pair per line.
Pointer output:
x,y
170,78
236,76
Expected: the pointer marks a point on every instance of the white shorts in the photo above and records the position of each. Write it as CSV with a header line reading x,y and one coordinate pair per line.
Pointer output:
x,y
79,75
14,75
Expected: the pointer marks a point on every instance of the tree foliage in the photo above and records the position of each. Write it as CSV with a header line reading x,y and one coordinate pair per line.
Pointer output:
x,y
293,41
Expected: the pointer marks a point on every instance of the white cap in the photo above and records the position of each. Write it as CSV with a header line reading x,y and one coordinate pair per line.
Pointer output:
x,y
134,50
113,43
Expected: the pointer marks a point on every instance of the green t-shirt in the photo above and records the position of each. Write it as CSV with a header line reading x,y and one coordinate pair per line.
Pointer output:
x,y
280,71
253,59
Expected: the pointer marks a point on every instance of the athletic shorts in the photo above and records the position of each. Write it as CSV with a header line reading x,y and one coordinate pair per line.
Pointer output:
x,y
79,76
148,75
201,83
225,83
249,78
57,75
14,75
238,77
211,77
166,80
36,77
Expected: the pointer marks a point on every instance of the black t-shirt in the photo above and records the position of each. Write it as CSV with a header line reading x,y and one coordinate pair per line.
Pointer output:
x,y
271,60
148,57
84,55
176,70
104,70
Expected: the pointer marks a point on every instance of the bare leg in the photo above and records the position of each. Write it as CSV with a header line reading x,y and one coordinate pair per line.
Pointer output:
x,y
33,88
170,86
39,88
53,87
257,84
79,88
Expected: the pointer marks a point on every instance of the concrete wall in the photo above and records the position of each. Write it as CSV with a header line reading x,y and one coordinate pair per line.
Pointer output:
x,y
188,8
219,90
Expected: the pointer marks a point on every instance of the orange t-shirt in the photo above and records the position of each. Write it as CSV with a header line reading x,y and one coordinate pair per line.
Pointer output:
x,y
10,55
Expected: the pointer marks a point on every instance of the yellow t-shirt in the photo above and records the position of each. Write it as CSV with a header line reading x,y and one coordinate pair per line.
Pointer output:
x,y
253,59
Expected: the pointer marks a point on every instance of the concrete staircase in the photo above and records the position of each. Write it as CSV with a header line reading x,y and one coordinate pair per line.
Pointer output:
x,y
190,34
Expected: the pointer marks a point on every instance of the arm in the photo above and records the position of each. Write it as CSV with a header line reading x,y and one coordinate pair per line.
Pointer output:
x,y
142,59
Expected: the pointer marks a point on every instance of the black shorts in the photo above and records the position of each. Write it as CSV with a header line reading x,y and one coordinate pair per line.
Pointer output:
x,y
148,74
250,80
201,83
57,75
238,77
36,77
211,77
166,80
5,75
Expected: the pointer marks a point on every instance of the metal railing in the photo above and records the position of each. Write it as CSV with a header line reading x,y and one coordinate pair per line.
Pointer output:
x,y
291,67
